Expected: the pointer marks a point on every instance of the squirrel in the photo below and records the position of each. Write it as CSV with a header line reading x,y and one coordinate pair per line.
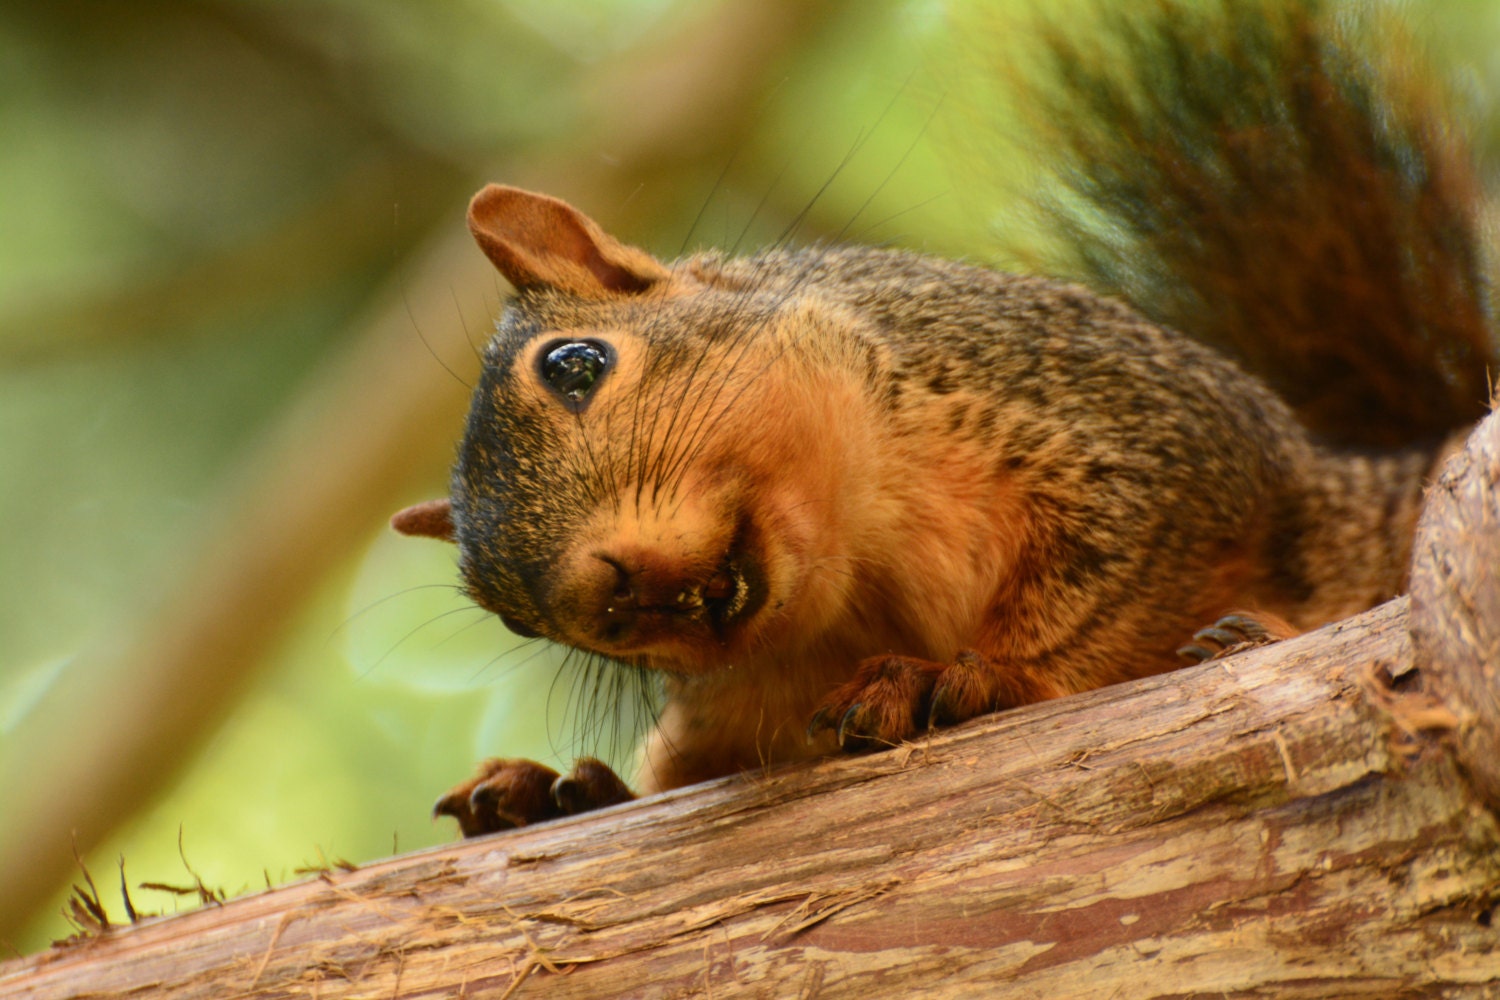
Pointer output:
x,y
837,495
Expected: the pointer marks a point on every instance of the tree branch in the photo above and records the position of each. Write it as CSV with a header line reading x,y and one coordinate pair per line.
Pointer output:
x,y
1243,828
1456,607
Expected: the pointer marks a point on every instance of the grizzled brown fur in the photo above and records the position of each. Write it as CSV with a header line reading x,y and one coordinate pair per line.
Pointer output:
x,y
986,461
835,495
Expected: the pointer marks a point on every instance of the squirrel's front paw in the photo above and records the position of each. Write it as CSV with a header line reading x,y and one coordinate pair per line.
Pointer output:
x,y
507,792
886,702
892,698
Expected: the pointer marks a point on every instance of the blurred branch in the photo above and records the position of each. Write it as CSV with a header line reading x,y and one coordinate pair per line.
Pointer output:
x,y
378,420
291,259
294,255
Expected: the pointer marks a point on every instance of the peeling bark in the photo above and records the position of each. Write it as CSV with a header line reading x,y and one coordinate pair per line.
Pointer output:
x,y
1456,608
1247,828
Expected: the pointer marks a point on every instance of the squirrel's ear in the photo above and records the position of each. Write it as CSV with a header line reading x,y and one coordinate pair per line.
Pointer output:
x,y
430,519
535,240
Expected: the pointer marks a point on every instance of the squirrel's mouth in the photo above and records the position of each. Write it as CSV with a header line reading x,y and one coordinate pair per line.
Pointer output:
x,y
740,585
722,602
732,595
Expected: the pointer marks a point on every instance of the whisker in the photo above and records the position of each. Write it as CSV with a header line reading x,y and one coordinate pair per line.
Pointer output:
x,y
411,632
406,304
351,619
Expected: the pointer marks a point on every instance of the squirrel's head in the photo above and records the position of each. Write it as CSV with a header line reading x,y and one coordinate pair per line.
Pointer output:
x,y
651,460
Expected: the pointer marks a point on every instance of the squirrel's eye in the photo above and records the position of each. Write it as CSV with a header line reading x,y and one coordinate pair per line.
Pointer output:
x,y
574,367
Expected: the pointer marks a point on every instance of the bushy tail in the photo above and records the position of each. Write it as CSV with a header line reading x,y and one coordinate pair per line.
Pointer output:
x,y
1285,187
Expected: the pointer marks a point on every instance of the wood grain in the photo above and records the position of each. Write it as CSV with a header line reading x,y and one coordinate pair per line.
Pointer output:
x,y
1239,829
1456,607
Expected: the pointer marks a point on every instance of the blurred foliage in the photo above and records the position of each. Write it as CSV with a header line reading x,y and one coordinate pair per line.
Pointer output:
x,y
200,198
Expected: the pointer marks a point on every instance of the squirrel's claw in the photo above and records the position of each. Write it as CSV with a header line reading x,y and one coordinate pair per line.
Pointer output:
x,y
818,724
845,728
1235,633
1223,636
1196,653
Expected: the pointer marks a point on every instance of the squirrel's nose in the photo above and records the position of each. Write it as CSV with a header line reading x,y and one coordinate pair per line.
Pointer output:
x,y
629,589
617,601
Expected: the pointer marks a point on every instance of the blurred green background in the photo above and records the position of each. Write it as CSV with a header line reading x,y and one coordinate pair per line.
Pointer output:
x,y
238,317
